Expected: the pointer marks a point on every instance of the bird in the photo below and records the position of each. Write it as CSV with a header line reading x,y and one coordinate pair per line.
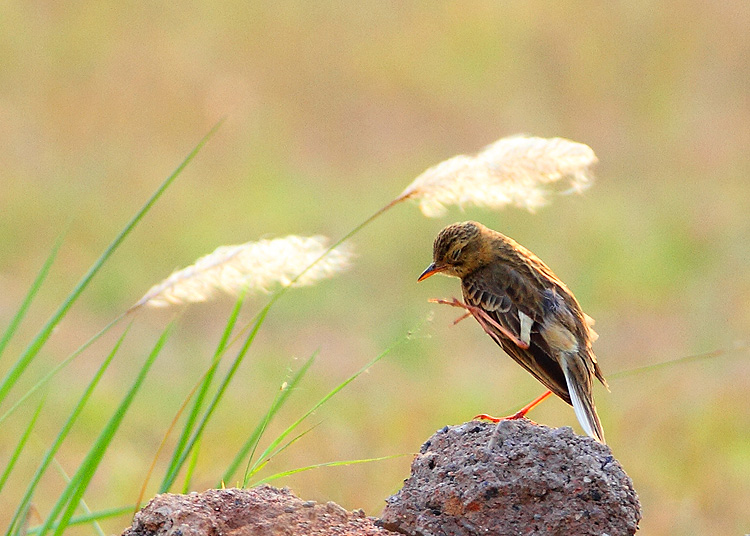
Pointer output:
x,y
527,310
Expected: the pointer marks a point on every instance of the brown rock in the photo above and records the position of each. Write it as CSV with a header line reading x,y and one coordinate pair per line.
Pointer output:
x,y
515,478
261,511
534,481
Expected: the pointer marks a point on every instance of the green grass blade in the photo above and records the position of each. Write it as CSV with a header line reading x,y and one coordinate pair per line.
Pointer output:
x,y
73,493
170,477
35,286
52,373
262,462
205,384
88,518
32,350
21,444
82,503
21,528
326,464
252,442
49,456
738,347
191,467
322,401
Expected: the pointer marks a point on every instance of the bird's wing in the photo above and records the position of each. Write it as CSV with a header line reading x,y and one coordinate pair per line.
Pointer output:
x,y
505,298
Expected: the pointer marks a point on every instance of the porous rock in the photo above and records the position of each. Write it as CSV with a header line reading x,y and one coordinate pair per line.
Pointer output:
x,y
534,480
261,511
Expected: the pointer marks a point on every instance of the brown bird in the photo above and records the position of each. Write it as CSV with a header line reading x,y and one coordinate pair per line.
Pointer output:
x,y
526,309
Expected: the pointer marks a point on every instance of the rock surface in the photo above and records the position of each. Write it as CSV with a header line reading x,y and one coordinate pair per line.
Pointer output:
x,y
515,478
534,480
261,511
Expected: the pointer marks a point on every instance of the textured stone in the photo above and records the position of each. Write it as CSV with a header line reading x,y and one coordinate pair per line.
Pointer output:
x,y
261,511
515,478
534,481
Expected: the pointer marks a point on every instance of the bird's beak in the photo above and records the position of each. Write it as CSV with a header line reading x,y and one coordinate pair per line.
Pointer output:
x,y
431,270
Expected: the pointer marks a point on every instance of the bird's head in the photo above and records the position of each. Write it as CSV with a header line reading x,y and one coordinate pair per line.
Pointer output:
x,y
457,250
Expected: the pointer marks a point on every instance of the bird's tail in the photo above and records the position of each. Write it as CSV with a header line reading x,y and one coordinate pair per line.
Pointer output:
x,y
581,396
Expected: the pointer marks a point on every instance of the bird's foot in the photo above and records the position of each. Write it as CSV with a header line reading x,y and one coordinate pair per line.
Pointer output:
x,y
486,417
520,414
454,303
485,320
516,416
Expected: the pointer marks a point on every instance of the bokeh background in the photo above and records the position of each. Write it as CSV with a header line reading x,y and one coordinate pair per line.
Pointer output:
x,y
331,109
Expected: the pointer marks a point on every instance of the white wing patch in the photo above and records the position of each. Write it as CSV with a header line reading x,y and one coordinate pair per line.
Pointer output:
x,y
526,323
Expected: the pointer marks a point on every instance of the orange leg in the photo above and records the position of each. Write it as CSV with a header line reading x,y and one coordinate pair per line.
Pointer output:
x,y
520,414
484,320
453,303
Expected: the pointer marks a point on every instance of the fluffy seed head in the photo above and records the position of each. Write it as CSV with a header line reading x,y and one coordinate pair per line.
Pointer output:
x,y
251,266
515,170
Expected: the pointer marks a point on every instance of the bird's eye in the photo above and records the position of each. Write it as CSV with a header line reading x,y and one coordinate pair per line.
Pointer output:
x,y
455,254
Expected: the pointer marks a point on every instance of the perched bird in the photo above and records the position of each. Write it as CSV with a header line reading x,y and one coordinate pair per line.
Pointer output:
x,y
526,309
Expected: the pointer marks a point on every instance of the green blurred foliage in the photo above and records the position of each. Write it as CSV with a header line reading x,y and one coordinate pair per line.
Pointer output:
x,y
331,109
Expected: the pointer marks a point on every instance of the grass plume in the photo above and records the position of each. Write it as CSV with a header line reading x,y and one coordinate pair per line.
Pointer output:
x,y
251,266
517,170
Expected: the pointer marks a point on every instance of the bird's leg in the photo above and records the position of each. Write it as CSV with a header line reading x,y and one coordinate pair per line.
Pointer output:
x,y
453,303
457,320
484,320
520,414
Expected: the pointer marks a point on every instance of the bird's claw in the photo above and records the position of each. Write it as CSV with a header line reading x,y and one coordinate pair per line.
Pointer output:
x,y
486,417
515,417
484,319
520,414
454,303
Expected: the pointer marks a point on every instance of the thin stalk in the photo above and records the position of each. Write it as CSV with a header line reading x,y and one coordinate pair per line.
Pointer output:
x,y
84,506
326,464
252,442
739,347
278,294
163,443
191,466
272,447
257,467
87,518
52,373
35,286
21,444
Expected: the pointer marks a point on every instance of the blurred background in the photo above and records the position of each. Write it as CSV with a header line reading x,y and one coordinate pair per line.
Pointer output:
x,y
331,109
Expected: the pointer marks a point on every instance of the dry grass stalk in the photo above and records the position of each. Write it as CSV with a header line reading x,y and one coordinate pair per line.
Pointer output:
x,y
516,170
251,266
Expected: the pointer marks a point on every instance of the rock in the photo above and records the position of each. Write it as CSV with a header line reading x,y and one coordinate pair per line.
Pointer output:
x,y
515,478
534,481
261,511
